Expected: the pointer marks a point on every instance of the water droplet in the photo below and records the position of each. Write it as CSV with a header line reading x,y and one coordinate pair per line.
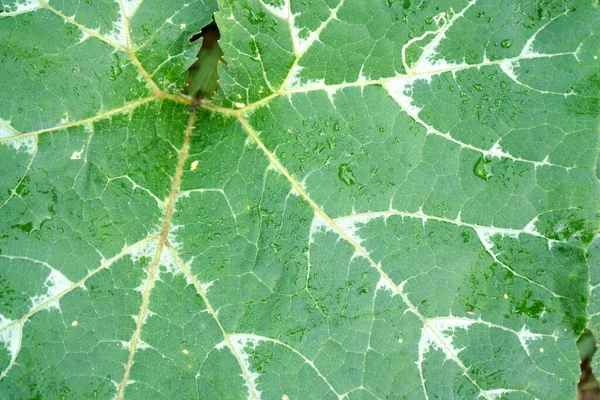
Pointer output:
x,y
506,43
478,87
115,70
28,227
479,169
465,236
346,175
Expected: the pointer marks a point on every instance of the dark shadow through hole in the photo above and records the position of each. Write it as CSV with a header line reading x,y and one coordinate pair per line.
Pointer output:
x,y
588,385
202,80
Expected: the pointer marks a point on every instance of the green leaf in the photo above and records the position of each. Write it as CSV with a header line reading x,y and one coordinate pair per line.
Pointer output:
x,y
386,199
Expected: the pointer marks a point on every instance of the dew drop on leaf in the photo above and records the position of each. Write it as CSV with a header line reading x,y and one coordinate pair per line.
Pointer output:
x,y
479,169
345,174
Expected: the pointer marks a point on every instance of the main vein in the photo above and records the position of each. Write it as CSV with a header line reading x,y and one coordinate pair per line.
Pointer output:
x,y
344,235
152,273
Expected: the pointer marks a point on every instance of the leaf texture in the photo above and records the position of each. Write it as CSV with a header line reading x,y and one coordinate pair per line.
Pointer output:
x,y
386,199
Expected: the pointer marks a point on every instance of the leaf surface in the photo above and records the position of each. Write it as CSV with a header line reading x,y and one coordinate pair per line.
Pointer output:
x,y
385,200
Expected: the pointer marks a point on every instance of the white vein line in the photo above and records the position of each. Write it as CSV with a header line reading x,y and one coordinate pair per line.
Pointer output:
x,y
451,323
291,24
9,127
528,47
361,388
498,393
152,271
258,58
126,49
344,235
527,50
186,193
415,75
159,202
440,34
477,229
507,68
425,217
157,30
254,393
314,36
107,114
44,5
125,20
45,264
362,82
488,249
103,265
13,359
14,191
264,71
283,12
83,28
480,321
24,10
161,65
487,153
411,41
309,42
268,339
419,367
132,12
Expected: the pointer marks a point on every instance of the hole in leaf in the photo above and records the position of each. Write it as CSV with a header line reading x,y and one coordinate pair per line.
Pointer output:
x,y
588,384
202,80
